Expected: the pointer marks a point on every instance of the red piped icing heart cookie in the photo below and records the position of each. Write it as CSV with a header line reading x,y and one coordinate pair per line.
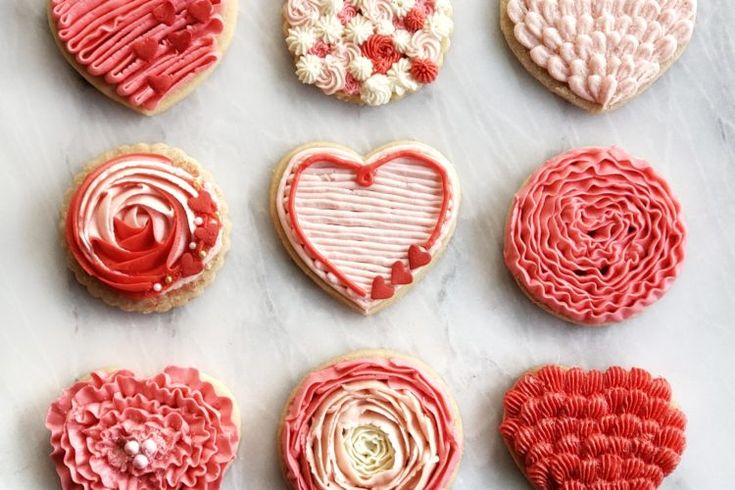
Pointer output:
x,y
145,54
368,51
176,430
369,420
598,54
145,228
365,228
594,236
575,430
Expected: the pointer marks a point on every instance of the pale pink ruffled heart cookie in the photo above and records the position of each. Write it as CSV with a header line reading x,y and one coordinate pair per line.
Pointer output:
x,y
368,51
145,54
365,228
177,430
369,420
595,236
598,54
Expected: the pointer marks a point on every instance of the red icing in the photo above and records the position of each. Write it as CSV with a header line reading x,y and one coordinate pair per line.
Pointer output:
x,y
418,257
381,51
113,40
400,275
571,429
203,203
424,70
191,265
364,176
180,40
415,19
347,12
320,49
381,289
208,233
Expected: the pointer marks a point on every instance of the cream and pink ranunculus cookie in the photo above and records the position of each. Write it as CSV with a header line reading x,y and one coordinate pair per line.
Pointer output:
x,y
145,228
371,419
365,228
594,236
177,430
575,429
598,54
368,51
144,54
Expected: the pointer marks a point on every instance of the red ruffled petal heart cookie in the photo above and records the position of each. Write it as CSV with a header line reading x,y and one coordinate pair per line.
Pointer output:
x,y
368,51
598,54
146,54
177,430
371,419
365,228
571,429
595,236
145,228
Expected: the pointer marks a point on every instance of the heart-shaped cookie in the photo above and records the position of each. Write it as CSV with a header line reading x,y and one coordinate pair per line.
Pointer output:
x,y
571,429
365,228
145,54
598,54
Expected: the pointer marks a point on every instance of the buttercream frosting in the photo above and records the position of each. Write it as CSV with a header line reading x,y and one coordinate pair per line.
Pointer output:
x,y
595,235
143,226
575,429
370,423
172,431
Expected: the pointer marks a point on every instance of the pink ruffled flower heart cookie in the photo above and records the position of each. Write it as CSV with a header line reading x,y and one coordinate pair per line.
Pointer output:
x,y
145,54
598,54
177,430
365,228
368,51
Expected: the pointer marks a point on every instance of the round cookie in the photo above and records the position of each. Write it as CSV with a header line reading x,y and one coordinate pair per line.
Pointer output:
x,y
368,419
570,428
145,228
594,236
368,52
147,55
597,54
178,429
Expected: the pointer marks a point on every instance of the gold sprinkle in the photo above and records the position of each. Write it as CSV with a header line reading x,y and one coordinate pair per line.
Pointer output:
x,y
169,279
202,253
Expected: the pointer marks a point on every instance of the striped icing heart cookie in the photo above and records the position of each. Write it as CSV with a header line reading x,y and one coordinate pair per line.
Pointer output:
x,y
598,54
365,228
145,54
574,429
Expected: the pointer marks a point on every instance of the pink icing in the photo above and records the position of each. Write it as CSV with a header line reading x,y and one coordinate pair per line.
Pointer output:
x,y
408,418
191,427
595,236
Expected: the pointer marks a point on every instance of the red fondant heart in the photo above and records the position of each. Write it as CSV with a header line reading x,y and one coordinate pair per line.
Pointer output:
x,y
203,203
400,275
180,40
160,83
381,289
201,10
191,265
571,429
418,257
166,13
208,233
146,48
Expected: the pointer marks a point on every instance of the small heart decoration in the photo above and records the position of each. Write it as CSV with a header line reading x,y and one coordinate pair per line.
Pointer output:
x,y
365,228
191,265
575,429
145,55
208,233
598,54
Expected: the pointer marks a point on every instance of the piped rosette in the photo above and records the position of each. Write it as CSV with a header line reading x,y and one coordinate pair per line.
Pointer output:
x,y
371,420
176,430
595,236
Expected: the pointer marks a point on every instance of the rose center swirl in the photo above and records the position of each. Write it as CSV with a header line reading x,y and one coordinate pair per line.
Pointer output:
x,y
369,449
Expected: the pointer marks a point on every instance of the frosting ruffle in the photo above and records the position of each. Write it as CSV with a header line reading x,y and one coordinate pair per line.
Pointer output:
x,y
595,236
168,432
370,423
572,429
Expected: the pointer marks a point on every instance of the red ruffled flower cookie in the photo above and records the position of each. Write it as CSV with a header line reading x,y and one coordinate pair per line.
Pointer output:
x,y
572,429
368,51
145,54
177,430
594,236
145,228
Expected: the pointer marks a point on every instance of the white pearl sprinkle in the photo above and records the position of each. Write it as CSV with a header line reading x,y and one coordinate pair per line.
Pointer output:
x,y
132,448
198,221
149,446
192,246
140,461
157,287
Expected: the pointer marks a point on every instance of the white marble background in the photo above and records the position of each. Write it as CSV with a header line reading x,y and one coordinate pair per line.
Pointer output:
x,y
262,324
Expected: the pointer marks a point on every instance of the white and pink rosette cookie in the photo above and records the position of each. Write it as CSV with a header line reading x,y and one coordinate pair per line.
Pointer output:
x,y
368,51
176,430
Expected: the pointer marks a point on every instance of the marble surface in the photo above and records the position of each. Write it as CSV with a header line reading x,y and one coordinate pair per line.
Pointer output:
x,y
263,324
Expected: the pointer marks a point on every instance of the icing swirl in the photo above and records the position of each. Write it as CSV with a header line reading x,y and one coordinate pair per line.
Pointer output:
x,y
595,236
143,226
370,422
168,432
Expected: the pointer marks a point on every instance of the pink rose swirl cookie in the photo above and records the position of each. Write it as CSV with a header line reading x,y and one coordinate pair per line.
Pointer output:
x,y
598,54
368,51
176,430
145,54
371,419
594,236
576,430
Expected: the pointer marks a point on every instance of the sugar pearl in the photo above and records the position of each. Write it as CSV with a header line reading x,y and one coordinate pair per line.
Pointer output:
x,y
157,287
132,448
140,461
198,221
192,246
149,446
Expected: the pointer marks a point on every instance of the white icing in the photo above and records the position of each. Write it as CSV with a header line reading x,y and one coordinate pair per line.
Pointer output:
x,y
401,39
301,39
361,68
400,77
439,24
308,68
329,28
402,7
424,45
376,90
359,29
